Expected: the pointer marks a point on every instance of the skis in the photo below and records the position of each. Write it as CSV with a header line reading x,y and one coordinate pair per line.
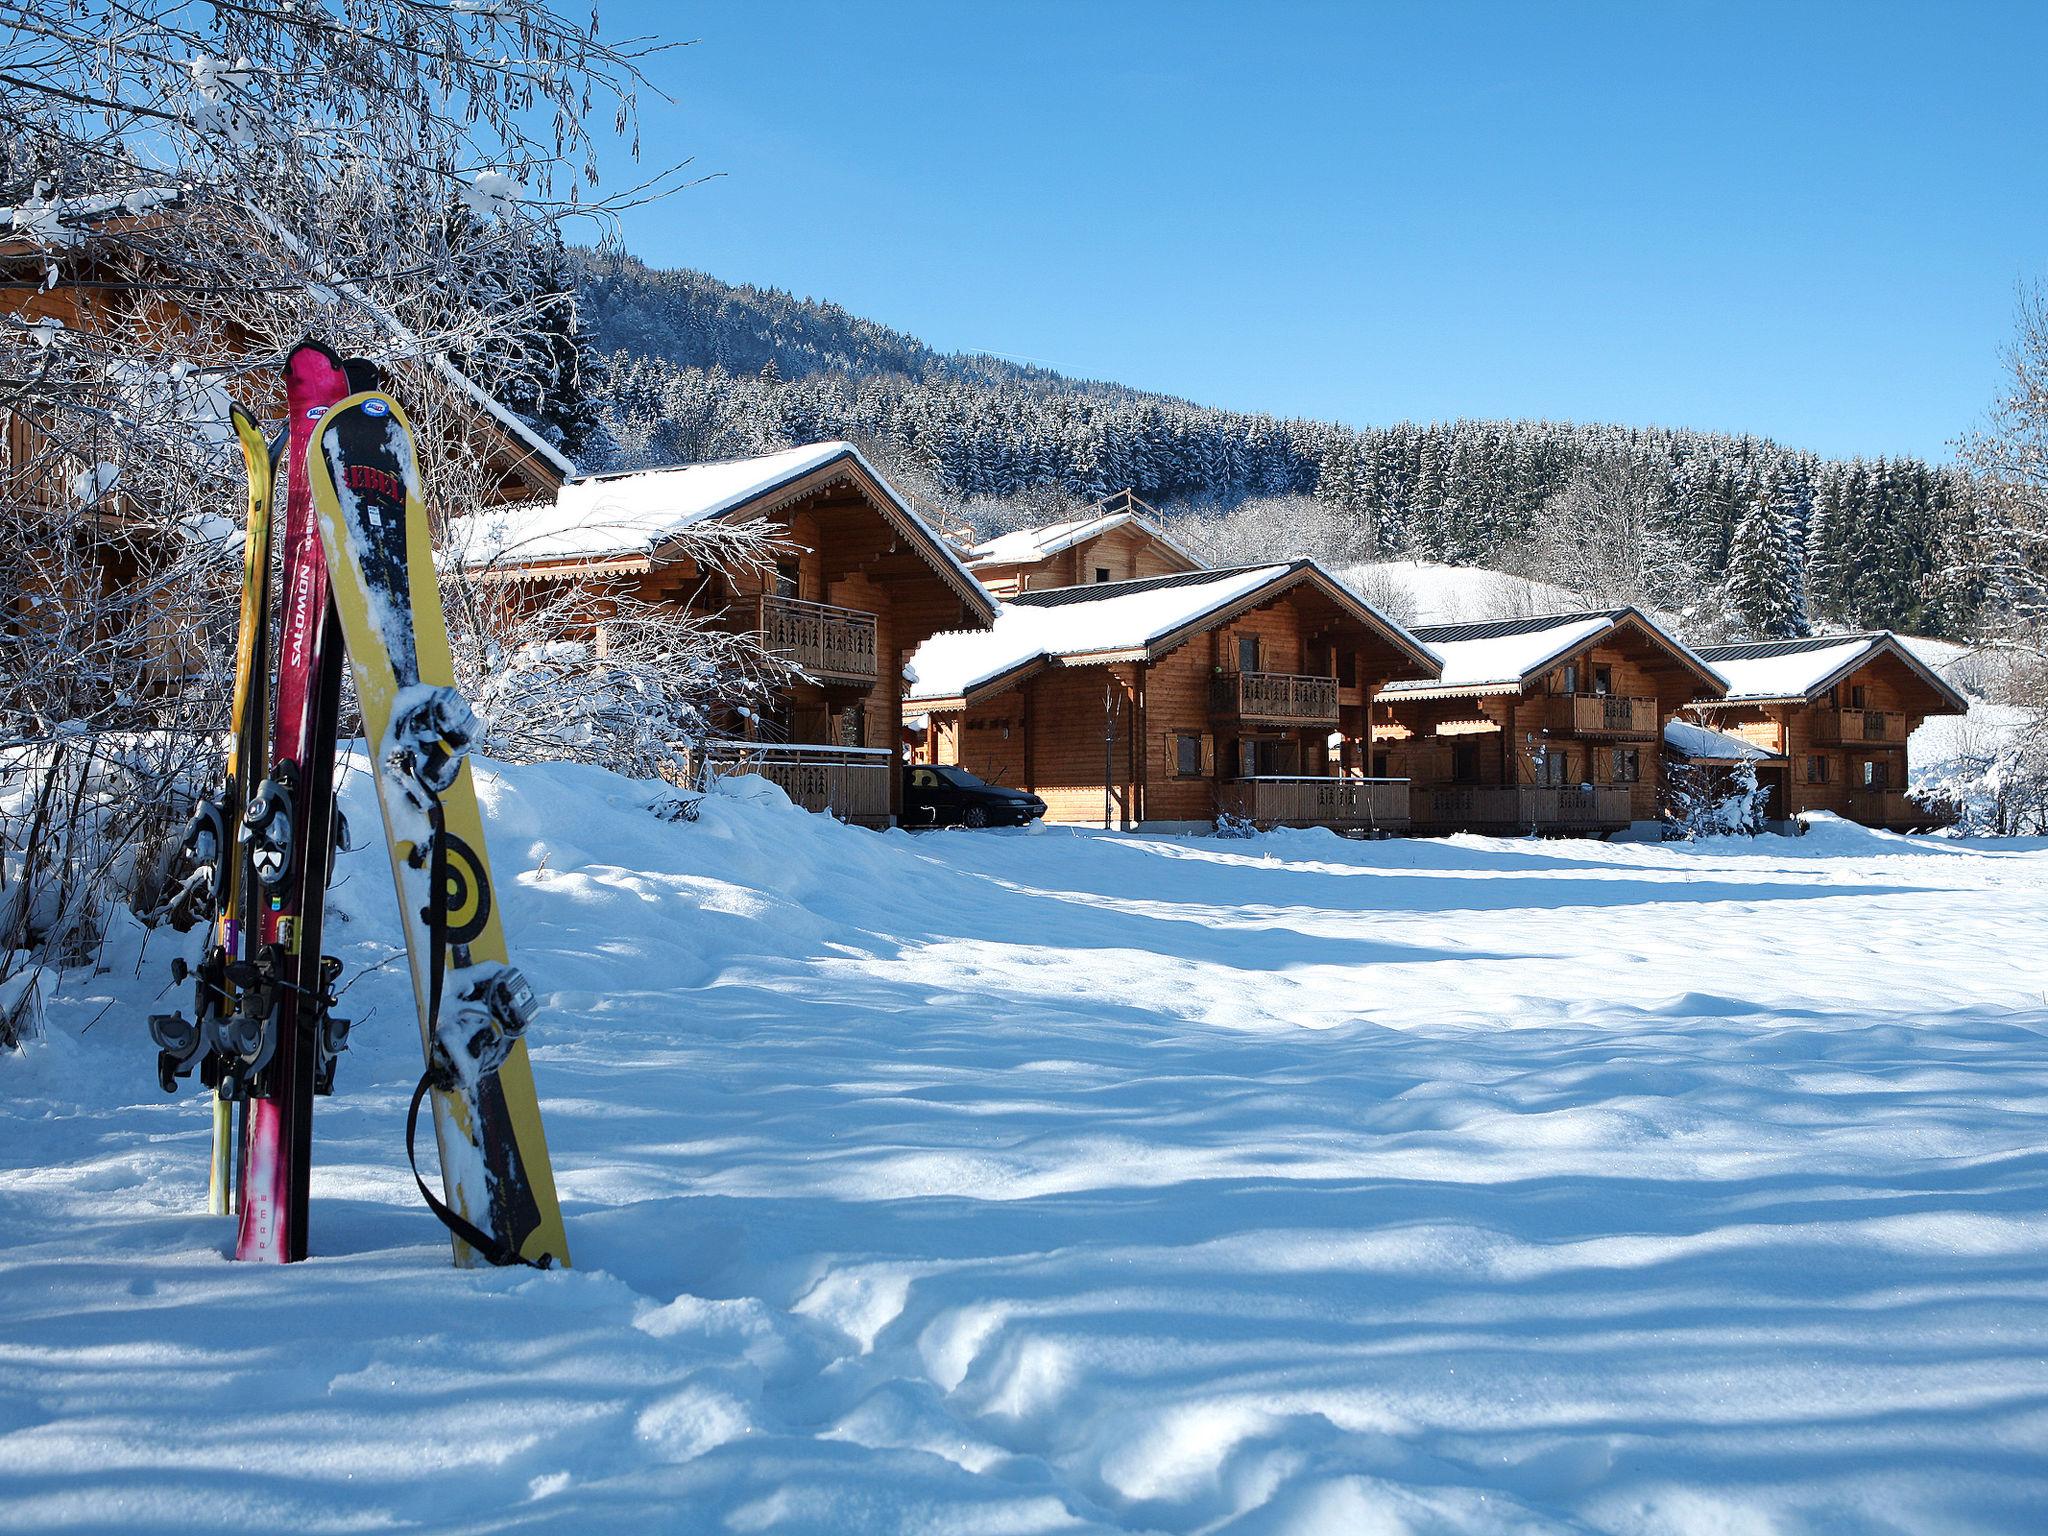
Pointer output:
x,y
473,1006
286,825
214,885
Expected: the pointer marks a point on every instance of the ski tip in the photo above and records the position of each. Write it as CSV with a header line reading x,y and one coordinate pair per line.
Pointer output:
x,y
364,376
243,422
314,345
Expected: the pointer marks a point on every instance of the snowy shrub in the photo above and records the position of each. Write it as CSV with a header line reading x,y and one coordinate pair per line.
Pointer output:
x,y
1709,801
1230,824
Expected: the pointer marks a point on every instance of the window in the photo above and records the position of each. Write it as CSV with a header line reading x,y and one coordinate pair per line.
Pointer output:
x,y
1816,770
1102,573
853,727
1247,653
1553,767
1465,762
1187,756
1628,765
1877,774
786,584
1856,697
1571,677
1379,766
1832,698
1603,681
924,778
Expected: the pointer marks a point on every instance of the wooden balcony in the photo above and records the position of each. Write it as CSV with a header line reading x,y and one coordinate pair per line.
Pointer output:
x,y
1610,715
852,783
1857,727
1274,698
828,644
1512,810
1347,805
1893,809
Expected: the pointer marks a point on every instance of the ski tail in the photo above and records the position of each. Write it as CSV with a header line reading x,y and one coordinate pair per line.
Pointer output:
x,y
473,1005
286,825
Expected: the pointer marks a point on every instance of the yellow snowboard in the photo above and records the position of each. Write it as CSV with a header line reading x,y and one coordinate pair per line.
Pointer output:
x,y
373,524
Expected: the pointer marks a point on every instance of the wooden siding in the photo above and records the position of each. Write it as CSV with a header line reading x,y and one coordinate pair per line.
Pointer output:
x,y
1128,553
1067,730
1507,740
1811,736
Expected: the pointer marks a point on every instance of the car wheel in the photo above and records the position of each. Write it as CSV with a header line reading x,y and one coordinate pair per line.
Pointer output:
x,y
974,816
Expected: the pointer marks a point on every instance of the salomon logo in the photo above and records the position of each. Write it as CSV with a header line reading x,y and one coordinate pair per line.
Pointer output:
x,y
376,408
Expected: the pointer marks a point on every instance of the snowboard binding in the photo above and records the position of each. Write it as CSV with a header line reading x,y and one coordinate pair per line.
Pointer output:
x,y
430,734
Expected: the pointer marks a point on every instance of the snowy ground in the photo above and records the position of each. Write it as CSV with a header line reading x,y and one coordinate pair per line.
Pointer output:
x,y
1030,1182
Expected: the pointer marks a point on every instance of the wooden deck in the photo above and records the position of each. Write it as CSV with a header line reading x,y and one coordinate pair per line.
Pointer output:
x,y
1893,810
851,783
1347,805
1510,810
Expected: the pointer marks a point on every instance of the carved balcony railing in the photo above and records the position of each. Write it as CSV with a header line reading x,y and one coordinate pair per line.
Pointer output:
x,y
1275,698
826,642
1612,715
1853,727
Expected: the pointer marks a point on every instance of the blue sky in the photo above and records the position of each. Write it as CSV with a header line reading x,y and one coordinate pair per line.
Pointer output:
x,y
1803,220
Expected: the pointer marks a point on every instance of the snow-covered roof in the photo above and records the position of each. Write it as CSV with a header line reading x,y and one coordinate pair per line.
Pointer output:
x,y
1501,655
1697,743
1108,621
1759,670
1028,546
631,515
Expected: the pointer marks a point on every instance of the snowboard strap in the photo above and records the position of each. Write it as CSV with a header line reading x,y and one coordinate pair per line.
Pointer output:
x,y
495,1250
438,1075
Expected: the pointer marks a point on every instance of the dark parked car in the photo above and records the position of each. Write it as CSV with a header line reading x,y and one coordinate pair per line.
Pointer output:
x,y
952,797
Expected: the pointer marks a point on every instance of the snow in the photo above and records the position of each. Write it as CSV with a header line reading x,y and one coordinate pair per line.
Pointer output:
x,y
632,513
1787,677
1066,1181
1697,742
1424,592
1506,659
1027,546
949,664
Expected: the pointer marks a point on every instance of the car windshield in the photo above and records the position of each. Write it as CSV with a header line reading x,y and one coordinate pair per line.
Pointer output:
x,y
959,778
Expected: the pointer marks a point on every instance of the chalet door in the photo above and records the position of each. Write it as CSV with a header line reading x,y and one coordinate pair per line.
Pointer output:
x,y
1465,763
1247,653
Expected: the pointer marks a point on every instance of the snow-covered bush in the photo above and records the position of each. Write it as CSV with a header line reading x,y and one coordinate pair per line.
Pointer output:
x,y
589,672
1702,800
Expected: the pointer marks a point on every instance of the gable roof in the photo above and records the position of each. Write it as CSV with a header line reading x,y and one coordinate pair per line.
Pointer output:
x,y
626,521
1029,546
1495,656
1785,671
1120,621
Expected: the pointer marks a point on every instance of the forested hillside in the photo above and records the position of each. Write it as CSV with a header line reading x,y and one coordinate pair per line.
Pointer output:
x,y
1740,533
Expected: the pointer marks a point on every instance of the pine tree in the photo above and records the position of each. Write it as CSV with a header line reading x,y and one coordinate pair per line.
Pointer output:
x,y
1764,585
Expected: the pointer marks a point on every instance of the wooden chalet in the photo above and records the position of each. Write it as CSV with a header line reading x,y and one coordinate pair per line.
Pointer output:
x,y
1119,541
862,581
1549,725
1833,713
98,266
1170,700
